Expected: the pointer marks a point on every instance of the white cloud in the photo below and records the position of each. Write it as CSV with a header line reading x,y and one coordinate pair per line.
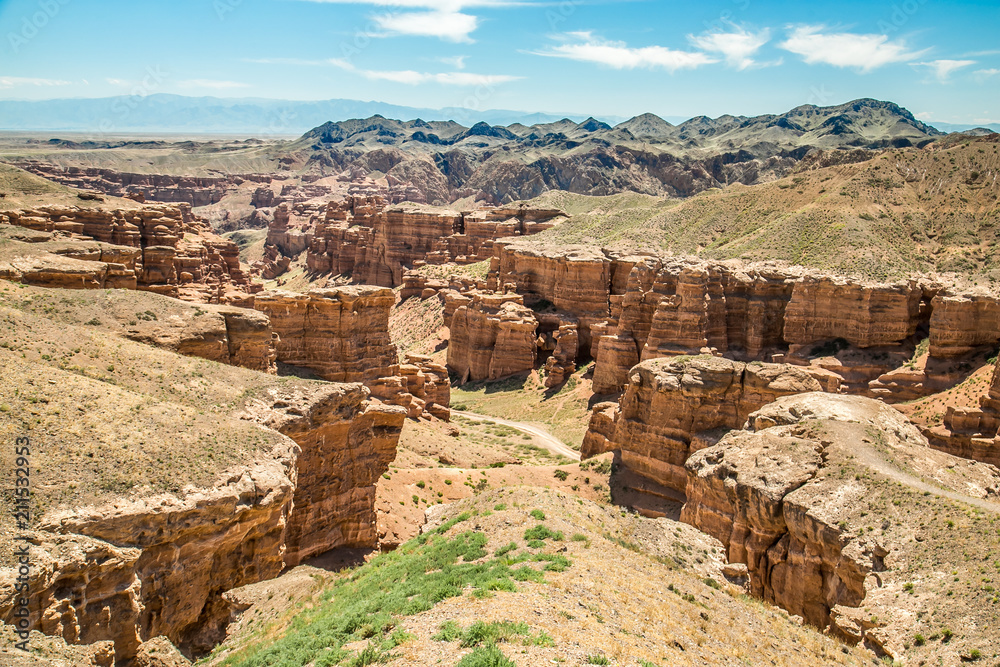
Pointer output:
x,y
619,55
737,47
19,81
211,83
413,78
942,69
443,19
433,5
844,49
449,26
986,73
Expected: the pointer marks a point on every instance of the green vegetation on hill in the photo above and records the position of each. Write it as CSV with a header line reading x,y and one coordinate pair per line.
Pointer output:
x,y
367,605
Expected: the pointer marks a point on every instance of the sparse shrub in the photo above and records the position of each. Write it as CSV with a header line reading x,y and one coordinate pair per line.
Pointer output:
x,y
541,532
561,475
597,660
538,515
919,640
486,656
504,550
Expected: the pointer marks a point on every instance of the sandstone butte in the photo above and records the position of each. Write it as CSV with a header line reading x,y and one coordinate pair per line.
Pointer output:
x,y
260,473
374,243
159,248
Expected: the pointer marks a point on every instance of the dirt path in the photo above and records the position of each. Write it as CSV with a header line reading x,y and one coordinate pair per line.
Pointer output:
x,y
874,459
549,441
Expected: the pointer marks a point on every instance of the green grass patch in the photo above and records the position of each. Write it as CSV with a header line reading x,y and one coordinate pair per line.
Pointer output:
x,y
369,603
542,532
486,656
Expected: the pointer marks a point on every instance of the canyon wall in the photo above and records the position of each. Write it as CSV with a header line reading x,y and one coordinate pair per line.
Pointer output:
x,y
675,407
852,336
342,334
791,497
152,564
158,248
346,442
375,243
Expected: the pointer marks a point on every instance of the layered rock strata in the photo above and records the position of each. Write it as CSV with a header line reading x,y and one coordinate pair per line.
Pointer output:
x,y
346,443
228,335
972,433
342,334
852,336
126,569
163,249
675,407
375,243
492,337
791,497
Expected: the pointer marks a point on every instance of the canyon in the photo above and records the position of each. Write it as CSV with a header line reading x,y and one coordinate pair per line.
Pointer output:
x,y
234,417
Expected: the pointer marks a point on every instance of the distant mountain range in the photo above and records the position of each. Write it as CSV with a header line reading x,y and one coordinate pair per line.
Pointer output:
x,y
260,117
445,160
213,115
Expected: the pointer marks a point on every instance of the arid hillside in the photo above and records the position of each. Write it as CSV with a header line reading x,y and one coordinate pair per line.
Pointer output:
x,y
522,577
934,209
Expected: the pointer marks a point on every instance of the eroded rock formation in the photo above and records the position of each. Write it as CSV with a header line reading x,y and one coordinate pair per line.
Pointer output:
x,y
792,495
375,243
852,336
163,249
492,337
342,334
346,442
675,407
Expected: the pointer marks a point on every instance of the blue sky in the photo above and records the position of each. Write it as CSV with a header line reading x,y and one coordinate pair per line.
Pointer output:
x,y
620,58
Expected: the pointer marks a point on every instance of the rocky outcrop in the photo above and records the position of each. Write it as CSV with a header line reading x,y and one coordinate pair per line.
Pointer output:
x,y
183,553
375,243
430,386
791,497
675,407
342,334
972,433
228,335
163,249
346,443
492,337
600,434
166,490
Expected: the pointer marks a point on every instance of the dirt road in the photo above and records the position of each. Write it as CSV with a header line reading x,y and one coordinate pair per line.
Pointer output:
x,y
547,440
